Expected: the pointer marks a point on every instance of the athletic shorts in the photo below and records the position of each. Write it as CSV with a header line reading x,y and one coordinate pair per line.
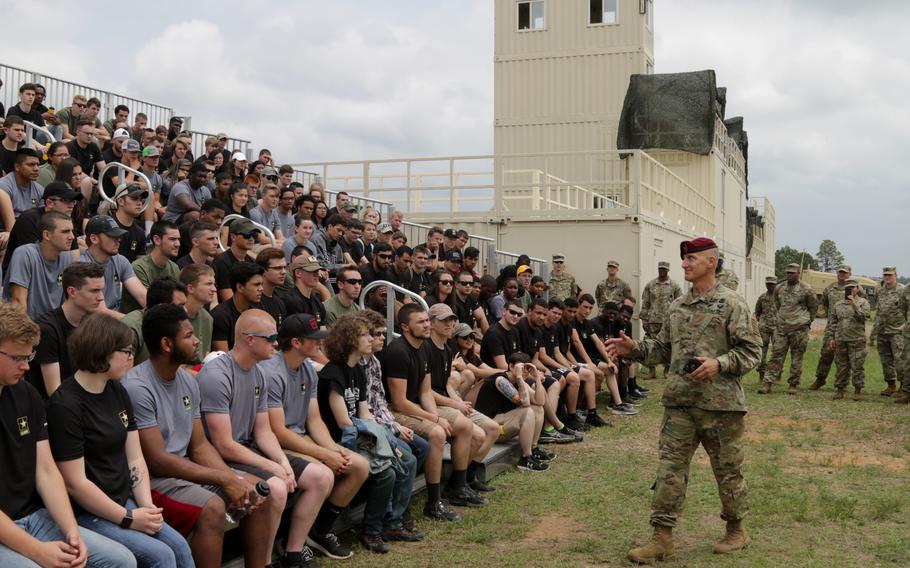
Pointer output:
x,y
184,500
547,382
298,464
511,422
560,372
422,426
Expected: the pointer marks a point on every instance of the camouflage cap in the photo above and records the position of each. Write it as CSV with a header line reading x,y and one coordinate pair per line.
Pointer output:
x,y
793,267
612,264
845,268
770,280
306,263
559,257
851,282
889,270
663,264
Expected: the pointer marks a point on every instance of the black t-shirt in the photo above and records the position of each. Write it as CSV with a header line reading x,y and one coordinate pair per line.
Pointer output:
x,y
565,336
224,317
529,338
275,307
132,244
8,158
32,116
551,338
465,310
55,329
369,273
490,401
87,157
22,426
498,341
440,364
296,303
350,383
186,242
402,361
187,260
94,427
222,267
586,333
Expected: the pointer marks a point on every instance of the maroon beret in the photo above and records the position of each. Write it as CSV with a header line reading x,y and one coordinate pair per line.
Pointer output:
x,y
695,245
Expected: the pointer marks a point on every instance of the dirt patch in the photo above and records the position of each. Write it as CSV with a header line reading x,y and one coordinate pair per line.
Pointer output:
x,y
553,528
841,458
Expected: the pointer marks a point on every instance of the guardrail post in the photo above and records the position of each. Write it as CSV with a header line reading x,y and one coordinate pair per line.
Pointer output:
x,y
366,179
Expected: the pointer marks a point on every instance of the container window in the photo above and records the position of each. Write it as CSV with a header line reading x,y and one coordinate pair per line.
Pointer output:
x,y
531,15
604,11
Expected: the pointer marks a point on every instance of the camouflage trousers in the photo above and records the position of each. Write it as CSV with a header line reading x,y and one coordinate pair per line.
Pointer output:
x,y
721,434
851,359
825,359
651,330
794,341
891,353
766,335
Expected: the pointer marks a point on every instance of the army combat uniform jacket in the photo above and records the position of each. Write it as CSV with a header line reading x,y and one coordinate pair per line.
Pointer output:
x,y
796,306
847,321
615,291
891,310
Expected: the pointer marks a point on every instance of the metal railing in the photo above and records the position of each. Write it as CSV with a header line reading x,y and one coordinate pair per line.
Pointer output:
x,y
197,144
729,149
539,266
390,303
417,235
31,128
121,170
306,178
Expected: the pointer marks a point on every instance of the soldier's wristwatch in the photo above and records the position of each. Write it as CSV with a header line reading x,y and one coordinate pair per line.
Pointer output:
x,y
127,520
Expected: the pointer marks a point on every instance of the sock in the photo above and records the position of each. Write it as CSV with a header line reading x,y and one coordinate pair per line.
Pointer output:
x,y
326,518
433,493
473,468
459,478
548,428
633,384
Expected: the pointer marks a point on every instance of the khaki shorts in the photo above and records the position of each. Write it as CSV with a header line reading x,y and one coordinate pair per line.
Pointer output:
x,y
422,426
511,422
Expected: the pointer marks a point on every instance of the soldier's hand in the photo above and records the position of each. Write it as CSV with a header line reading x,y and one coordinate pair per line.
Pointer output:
x,y
708,368
620,346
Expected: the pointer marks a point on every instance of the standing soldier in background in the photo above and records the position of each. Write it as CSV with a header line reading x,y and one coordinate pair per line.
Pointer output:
x,y
655,302
708,341
796,307
562,284
832,294
890,319
846,335
766,314
612,288
903,368
726,277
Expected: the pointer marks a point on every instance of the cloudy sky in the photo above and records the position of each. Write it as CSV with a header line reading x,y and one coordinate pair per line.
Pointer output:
x,y
822,85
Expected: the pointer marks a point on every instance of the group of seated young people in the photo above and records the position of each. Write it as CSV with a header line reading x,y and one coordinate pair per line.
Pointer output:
x,y
168,375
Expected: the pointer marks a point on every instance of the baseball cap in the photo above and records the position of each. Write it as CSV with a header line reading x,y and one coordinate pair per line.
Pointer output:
x,y
239,156
269,171
663,264
453,256
120,133
464,330
130,145
102,224
792,267
385,228
221,136
524,268
450,234
243,226
350,207
696,245
176,119
845,268
851,282
306,263
62,190
889,270
612,264
441,311
770,280
559,258
132,190
301,326
150,152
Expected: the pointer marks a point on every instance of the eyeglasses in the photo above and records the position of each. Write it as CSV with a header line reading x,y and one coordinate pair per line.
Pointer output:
x,y
446,282
130,352
271,178
270,338
279,268
352,281
19,359
516,313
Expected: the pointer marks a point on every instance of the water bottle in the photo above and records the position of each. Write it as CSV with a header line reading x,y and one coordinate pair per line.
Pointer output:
x,y
234,515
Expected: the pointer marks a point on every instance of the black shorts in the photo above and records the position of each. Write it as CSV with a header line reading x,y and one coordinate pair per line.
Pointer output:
x,y
547,382
560,372
298,464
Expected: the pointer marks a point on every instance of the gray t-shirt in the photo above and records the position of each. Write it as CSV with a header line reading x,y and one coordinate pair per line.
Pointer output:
x,y
291,390
226,388
286,224
269,219
197,196
29,269
117,270
170,406
23,198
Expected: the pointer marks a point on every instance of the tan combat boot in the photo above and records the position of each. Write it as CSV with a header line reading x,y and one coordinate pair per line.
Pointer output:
x,y
839,395
735,539
890,390
902,397
765,388
660,547
792,389
857,393
816,385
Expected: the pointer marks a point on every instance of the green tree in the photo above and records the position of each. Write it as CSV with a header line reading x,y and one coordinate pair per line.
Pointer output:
x,y
786,255
828,257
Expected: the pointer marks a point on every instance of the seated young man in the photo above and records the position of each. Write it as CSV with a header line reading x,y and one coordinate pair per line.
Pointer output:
x,y
514,399
295,419
189,480
235,416
473,370
606,326
443,380
37,525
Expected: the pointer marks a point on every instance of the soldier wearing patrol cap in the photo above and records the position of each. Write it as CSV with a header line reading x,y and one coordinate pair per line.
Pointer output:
x,y
796,307
656,298
766,314
846,335
708,341
612,288
890,319
562,283
831,295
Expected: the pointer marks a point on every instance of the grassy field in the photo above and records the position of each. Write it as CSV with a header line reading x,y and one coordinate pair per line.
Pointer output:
x,y
828,485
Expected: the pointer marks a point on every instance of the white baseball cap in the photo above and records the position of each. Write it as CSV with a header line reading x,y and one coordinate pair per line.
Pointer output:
x,y
121,133
239,156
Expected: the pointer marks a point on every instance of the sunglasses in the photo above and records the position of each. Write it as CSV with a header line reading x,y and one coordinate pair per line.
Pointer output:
x,y
379,333
446,282
352,281
384,256
250,235
270,338
516,313
468,284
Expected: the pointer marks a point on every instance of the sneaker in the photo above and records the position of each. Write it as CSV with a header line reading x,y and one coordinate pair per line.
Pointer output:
x,y
540,454
407,521
481,486
643,389
302,559
328,544
464,497
574,423
632,399
624,409
440,511
596,421
640,393
402,535
551,437
574,435
528,463
374,543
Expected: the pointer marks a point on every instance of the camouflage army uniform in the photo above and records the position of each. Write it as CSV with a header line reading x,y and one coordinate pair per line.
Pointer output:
x,y
615,291
796,307
832,294
890,319
717,324
903,368
563,286
766,314
847,327
728,278
655,301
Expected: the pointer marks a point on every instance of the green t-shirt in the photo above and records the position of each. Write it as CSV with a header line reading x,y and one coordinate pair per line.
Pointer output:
x,y
133,320
147,272
334,309
202,328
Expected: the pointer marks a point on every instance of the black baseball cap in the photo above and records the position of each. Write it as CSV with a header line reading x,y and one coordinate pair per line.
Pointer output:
x,y
102,224
450,234
62,190
301,326
453,256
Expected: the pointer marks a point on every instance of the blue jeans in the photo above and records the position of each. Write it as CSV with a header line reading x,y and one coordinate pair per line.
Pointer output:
x,y
401,492
167,549
419,447
102,551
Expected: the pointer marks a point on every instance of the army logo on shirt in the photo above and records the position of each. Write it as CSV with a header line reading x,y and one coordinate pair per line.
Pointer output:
x,y
124,418
514,346
22,423
256,391
134,245
186,402
302,388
